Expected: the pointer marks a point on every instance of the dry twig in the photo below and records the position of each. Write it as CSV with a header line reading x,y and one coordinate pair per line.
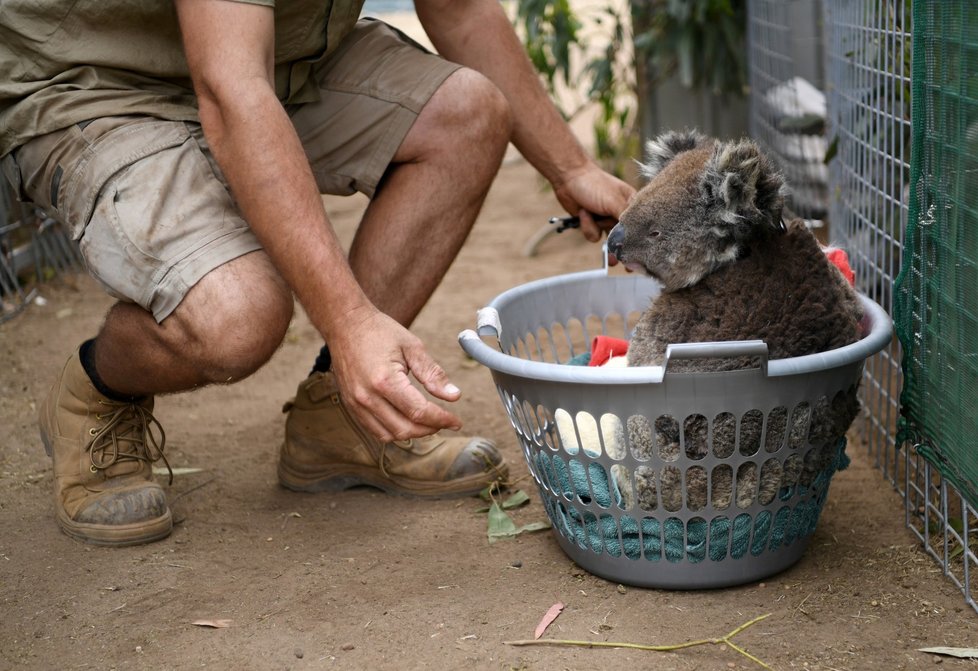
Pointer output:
x,y
723,640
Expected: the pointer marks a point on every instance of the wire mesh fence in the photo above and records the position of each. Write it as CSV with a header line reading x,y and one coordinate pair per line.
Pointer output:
x,y
846,154
33,249
787,105
869,48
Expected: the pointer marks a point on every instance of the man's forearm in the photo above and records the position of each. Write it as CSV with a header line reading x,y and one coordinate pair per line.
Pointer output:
x,y
478,34
256,146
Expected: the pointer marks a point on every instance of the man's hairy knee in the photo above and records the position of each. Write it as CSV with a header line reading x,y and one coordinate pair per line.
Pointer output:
x,y
469,100
235,318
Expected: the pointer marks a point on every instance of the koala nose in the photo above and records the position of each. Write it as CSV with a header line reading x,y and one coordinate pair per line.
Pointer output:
x,y
615,240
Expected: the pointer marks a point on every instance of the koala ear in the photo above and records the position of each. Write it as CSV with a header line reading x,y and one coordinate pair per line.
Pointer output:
x,y
744,184
664,148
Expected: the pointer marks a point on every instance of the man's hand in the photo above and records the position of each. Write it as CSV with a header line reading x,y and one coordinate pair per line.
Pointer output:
x,y
595,197
372,360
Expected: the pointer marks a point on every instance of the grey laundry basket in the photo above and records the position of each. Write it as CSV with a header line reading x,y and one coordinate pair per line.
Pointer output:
x,y
606,498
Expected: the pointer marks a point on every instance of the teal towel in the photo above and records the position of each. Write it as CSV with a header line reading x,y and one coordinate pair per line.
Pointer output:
x,y
653,538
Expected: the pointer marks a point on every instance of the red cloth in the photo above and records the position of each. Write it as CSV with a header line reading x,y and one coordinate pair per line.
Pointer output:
x,y
841,261
605,347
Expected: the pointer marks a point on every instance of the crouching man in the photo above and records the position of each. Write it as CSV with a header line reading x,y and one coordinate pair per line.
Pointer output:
x,y
185,146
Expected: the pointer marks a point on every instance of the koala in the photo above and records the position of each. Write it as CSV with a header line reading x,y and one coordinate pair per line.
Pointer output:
x,y
709,227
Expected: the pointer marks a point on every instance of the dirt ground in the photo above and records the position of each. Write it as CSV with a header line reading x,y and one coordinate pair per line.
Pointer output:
x,y
361,580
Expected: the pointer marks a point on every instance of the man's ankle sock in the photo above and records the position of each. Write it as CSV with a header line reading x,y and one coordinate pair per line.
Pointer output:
x,y
323,361
87,355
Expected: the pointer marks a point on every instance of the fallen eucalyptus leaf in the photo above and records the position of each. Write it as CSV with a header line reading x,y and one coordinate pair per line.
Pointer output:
x,y
964,653
548,617
501,525
514,501
213,624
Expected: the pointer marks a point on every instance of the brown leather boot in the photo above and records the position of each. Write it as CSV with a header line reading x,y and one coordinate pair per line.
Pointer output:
x,y
326,450
103,452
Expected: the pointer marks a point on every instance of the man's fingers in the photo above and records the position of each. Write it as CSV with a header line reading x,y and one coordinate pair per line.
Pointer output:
x,y
386,424
404,412
431,376
589,228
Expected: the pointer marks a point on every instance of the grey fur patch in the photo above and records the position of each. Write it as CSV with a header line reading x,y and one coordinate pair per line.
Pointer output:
x,y
662,149
743,184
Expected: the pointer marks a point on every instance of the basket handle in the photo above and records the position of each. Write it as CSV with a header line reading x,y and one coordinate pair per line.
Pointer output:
x,y
718,350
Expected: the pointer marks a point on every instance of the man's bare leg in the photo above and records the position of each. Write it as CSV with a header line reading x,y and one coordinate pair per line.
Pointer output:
x,y
429,199
225,328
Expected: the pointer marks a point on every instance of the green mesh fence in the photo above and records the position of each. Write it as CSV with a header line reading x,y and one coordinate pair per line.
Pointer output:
x,y
936,306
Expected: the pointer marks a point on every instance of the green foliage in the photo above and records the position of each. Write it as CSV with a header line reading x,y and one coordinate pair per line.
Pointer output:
x,y
701,42
549,29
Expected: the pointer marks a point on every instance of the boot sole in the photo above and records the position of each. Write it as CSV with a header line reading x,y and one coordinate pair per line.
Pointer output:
x,y
117,535
344,477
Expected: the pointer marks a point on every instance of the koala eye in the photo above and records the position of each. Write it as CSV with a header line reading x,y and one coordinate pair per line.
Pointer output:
x,y
654,234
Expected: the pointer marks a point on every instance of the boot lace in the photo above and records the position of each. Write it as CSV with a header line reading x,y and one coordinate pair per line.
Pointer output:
x,y
130,433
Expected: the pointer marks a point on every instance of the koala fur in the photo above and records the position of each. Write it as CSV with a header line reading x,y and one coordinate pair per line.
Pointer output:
x,y
708,226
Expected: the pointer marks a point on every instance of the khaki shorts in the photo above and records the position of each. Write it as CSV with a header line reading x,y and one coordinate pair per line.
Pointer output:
x,y
148,204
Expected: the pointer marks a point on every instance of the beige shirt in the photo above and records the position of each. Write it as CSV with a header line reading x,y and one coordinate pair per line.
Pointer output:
x,y
66,61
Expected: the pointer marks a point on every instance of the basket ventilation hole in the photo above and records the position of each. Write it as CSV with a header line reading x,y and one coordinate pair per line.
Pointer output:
x,y
814,462
622,482
587,430
630,538
746,484
548,427
770,481
545,345
696,487
614,325
777,420
696,434
789,478
719,538
614,436
522,426
651,539
722,486
609,531
751,425
672,488
640,437
667,437
646,489
594,327
566,431
521,350
561,343
532,348
578,339
724,435
799,426
696,540
534,430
